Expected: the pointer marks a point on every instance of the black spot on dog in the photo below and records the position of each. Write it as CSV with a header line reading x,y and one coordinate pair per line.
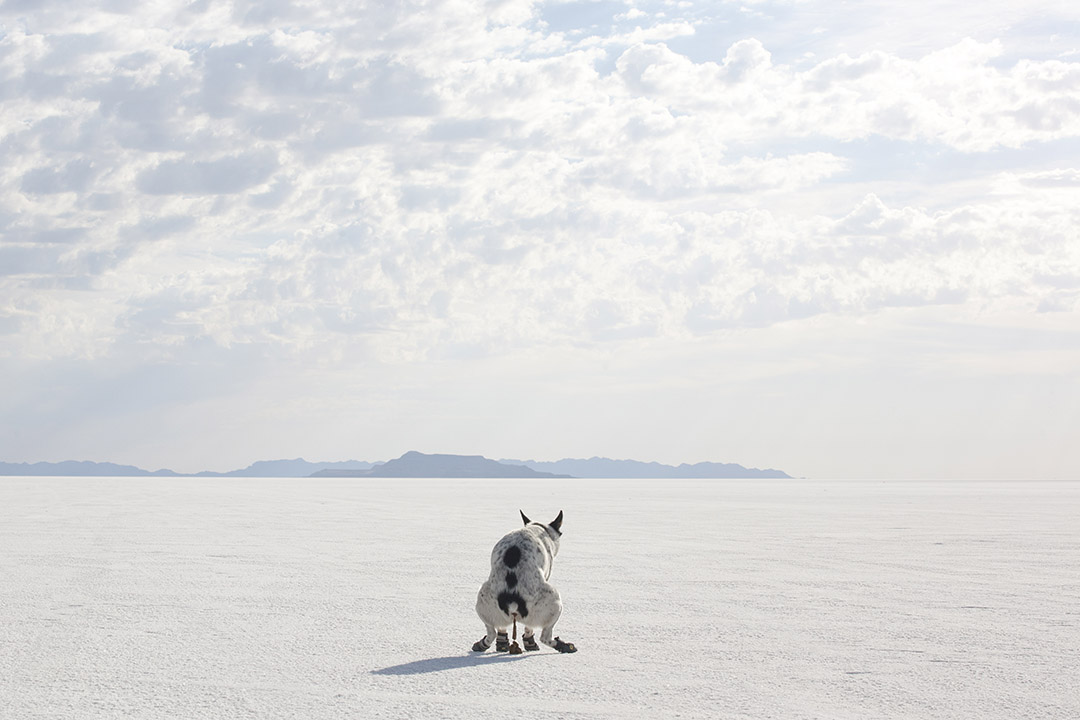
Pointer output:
x,y
512,556
505,598
511,580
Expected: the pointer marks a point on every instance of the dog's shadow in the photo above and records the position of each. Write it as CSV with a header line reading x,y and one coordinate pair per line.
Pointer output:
x,y
452,662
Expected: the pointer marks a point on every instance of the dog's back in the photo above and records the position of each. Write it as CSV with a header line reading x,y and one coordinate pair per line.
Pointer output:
x,y
520,567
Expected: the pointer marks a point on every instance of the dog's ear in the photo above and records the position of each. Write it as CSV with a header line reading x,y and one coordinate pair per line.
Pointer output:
x,y
556,524
527,521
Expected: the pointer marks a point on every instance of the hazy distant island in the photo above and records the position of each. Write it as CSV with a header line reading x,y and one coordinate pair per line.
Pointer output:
x,y
415,464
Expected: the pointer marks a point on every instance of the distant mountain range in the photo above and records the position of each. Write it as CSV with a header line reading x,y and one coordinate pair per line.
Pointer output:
x,y
418,465
263,468
292,468
598,467
415,464
78,468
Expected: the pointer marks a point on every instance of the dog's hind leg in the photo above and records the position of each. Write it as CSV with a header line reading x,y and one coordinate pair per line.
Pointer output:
x,y
485,642
487,610
557,643
552,607
528,641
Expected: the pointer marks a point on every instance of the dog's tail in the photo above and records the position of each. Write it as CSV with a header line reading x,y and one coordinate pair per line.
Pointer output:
x,y
513,605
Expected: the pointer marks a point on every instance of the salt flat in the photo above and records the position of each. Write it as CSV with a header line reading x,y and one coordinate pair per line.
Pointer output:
x,y
220,598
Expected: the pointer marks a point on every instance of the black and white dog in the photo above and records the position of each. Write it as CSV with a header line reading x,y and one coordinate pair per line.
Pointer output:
x,y
518,590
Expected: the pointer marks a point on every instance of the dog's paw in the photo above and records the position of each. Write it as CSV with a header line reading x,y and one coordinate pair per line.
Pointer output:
x,y
480,645
564,647
529,642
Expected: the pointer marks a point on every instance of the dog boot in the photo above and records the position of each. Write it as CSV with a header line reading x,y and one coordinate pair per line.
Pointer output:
x,y
529,642
502,643
481,645
564,647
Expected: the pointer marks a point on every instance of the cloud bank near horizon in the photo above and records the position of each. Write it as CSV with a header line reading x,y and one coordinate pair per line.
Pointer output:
x,y
216,197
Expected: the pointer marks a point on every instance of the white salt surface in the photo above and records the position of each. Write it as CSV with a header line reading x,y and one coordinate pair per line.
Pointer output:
x,y
312,599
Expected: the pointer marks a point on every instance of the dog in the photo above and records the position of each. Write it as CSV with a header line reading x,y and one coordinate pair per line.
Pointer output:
x,y
518,589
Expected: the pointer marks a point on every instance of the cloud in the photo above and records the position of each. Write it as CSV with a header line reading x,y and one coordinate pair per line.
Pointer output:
x,y
469,180
228,175
74,176
955,97
159,227
1057,178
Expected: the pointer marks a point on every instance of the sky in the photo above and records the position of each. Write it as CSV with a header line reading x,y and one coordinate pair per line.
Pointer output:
x,y
835,238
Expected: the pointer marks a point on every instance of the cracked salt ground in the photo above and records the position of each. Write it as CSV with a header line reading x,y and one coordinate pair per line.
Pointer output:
x,y
190,598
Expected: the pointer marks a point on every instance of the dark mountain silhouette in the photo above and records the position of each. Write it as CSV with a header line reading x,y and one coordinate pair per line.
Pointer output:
x,y
418,465
598,467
